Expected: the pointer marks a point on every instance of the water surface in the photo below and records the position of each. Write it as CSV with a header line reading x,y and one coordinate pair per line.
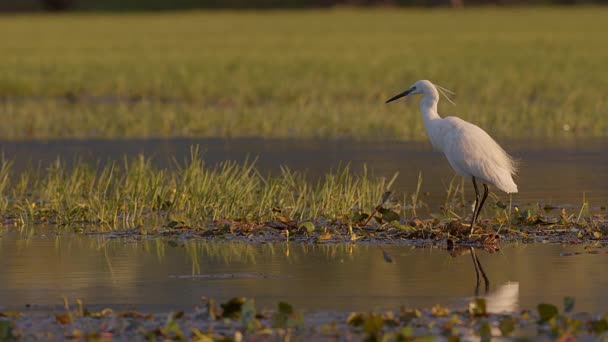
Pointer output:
x,y
155,275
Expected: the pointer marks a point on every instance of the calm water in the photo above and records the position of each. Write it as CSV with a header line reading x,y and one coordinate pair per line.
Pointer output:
x,y
556,172
153,275
41,270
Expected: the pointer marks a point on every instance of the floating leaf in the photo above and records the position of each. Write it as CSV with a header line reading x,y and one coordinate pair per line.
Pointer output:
x,y
406,332
285,308
478,307
202,337
63,318
286,317
599,326
506,326
439,311
6,331
325,236
308,226
355,319
547,312
103,313
408,315
232,308
373,324
485,331
280,319
172,329
329,328
248,319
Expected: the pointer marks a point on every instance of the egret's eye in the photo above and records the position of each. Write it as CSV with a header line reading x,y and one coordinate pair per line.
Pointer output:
x,y
413,88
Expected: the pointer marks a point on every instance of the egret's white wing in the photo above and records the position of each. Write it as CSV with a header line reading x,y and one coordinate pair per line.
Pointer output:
x,y
472,152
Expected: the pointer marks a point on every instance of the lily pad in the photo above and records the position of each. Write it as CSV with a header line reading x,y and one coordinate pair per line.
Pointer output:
x,y
547,312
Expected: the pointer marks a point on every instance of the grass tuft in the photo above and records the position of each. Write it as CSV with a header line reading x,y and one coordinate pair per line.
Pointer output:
x,y
133,193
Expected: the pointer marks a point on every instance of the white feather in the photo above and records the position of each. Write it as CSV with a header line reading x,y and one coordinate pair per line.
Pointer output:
x,y
469,149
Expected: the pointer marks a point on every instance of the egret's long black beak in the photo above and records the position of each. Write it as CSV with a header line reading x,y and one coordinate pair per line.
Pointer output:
x,y
398,96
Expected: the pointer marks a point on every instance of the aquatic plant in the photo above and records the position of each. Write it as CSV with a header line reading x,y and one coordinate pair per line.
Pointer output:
x,y
133,193
239,319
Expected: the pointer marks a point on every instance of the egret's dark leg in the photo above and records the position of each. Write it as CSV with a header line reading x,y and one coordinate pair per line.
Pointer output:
x,y
479,269
483,274
476,271
475,213
483,198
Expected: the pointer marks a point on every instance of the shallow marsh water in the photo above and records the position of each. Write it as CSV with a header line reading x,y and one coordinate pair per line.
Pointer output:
x,y
40,269
556,172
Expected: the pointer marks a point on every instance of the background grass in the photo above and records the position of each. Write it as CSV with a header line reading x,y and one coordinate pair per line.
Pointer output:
x,y
516,72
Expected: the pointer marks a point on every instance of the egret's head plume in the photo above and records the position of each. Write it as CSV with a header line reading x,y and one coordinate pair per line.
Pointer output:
x,y
443,92
423,87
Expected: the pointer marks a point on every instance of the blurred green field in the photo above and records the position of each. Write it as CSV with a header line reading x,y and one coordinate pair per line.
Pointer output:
x,y
517,72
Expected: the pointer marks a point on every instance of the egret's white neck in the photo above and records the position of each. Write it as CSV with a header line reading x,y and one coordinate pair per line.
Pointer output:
x,y
430,117
428,107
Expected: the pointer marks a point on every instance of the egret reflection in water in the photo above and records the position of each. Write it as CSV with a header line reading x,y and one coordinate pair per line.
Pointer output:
x,y
503,299
40,268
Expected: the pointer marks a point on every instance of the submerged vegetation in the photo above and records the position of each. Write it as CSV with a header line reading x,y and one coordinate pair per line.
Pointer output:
x,y
301,74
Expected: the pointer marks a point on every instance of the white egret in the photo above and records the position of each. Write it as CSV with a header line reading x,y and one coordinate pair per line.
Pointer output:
x,y
471,152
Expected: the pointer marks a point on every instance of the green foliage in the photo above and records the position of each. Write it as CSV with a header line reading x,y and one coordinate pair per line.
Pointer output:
x,y
274,74
232,309
248,316
285,323
172,329
372,324
388,215
135,194
599,326
485,331
286,317
507,326
546,312
6,331
308,226
478,307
